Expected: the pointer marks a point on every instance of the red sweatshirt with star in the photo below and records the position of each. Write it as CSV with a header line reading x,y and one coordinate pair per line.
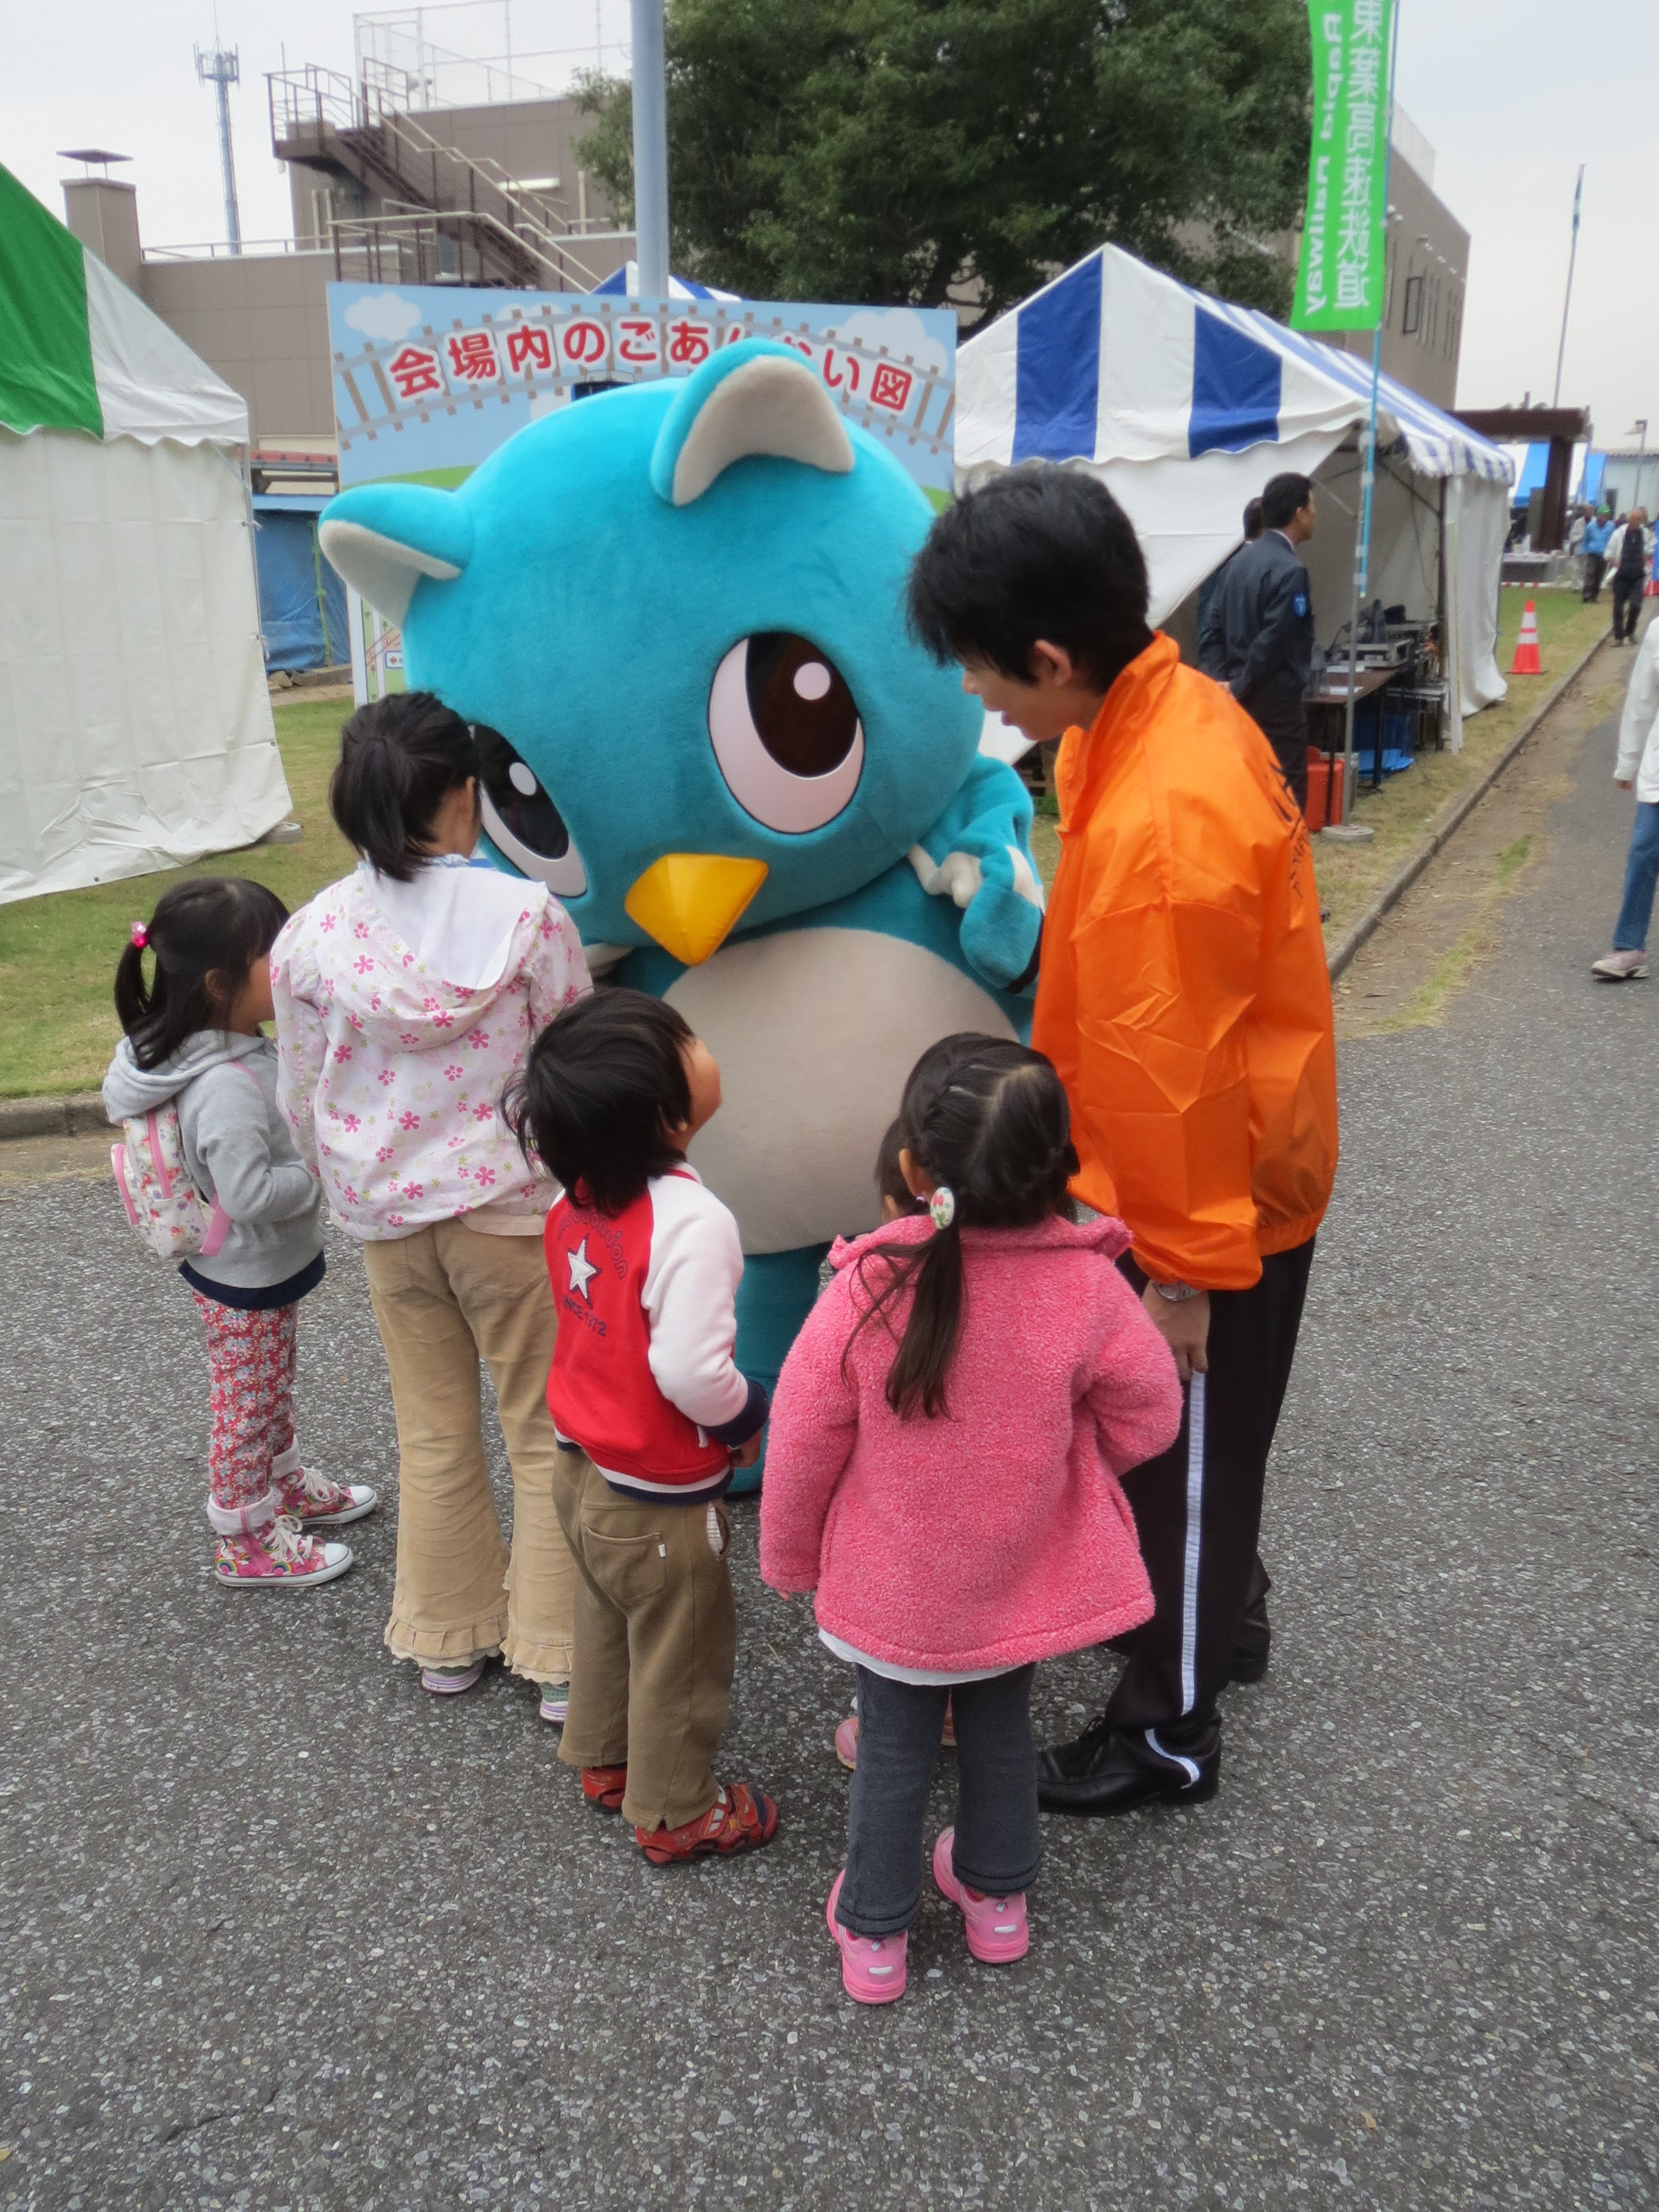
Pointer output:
x,y
643,1377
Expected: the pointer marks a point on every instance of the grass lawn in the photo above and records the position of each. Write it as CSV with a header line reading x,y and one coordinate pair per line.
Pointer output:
x,y
1349,876
58,954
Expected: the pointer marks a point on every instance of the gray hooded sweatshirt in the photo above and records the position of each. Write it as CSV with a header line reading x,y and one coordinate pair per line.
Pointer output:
x,y
238,1148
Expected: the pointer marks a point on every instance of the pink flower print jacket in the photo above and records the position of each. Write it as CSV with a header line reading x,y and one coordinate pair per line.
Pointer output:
x,y
390,1075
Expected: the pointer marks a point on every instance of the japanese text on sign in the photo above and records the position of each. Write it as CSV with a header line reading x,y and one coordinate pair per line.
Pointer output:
x,y
1341,277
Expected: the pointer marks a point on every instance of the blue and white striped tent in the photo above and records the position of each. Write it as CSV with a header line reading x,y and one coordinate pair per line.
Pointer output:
x,y
625,283
1186,405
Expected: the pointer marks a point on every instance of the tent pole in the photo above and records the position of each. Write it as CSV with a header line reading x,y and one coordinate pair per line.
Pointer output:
x,y
1362,550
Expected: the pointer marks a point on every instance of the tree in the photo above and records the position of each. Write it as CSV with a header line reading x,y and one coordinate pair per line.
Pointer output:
x,y
942,151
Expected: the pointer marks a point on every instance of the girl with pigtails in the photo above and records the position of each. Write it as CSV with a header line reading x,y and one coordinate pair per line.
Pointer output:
x,y
947,1440
193,990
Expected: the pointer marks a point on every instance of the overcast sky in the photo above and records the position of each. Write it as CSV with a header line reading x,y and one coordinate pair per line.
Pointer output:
x,y
1512,98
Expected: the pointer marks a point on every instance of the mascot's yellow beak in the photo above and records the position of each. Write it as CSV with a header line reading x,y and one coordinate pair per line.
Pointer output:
x,y
690,902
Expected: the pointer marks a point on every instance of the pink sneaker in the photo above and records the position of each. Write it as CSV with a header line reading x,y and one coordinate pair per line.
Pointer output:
x,y
996,1929
279,1557
450,1682
314,1502
872,1968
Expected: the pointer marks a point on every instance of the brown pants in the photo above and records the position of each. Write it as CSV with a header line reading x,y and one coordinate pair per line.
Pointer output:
x,y
656,1640
442,1297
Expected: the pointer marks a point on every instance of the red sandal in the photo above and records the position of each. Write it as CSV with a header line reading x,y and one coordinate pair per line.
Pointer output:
x,y
605,1787
740,1820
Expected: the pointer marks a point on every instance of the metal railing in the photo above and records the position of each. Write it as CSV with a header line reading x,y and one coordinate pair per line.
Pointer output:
x,y
434,246
358,125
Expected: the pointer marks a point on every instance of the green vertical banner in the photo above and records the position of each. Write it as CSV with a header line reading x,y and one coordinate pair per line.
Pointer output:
x,y
1341,279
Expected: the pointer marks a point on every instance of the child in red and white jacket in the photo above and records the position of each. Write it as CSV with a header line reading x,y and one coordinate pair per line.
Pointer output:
x,y
946,1444
651,1412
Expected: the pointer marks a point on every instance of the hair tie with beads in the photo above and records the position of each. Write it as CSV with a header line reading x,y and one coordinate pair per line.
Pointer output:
x,y
943,1206
140,935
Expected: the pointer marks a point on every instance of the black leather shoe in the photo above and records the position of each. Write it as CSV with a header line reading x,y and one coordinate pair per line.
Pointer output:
x,y
1101,1773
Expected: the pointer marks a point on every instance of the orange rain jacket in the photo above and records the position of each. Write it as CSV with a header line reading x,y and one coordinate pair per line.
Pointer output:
x,y
1184,996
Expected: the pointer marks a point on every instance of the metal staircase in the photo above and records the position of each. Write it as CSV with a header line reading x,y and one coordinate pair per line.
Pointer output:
x,y
443,215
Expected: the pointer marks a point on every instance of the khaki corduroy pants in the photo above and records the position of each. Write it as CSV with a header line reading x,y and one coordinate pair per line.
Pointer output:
x,y
656,1642
446,1298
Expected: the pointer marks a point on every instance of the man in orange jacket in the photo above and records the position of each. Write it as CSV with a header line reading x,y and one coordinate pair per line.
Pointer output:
x,y
1184,998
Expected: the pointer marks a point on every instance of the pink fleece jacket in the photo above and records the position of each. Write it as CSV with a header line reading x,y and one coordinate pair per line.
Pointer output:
x,y
997,1533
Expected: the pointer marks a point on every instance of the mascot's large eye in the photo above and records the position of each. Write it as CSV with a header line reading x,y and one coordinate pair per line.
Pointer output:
x,y
785,730
522,818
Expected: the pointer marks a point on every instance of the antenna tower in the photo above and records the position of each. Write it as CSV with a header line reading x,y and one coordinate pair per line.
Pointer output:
x,y
221,70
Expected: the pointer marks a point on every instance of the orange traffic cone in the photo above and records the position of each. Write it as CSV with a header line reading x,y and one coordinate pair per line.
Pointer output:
x,y
1526,662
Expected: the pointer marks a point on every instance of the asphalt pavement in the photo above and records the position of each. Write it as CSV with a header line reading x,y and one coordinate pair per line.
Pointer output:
x,y
280,1931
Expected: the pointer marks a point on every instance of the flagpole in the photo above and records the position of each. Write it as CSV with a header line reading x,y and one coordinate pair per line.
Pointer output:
x,y
1362,551
1566,304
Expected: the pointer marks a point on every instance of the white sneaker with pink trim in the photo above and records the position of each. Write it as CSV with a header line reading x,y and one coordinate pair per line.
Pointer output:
x,y
1619,968
279,1556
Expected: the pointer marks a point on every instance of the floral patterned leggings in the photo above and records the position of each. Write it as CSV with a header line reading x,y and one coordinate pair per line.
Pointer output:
x,y
251,1366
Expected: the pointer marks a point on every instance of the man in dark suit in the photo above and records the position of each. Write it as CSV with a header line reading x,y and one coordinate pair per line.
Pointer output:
x,y
1259,638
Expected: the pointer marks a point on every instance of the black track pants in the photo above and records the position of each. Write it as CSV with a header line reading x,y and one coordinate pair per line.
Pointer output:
x,y
1198,1509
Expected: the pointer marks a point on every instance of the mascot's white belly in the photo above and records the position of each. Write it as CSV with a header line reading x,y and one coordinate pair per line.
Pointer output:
x,y
816,1030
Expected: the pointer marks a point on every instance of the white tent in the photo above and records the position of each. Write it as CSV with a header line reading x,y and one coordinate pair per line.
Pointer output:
x,y
1185,406
135,730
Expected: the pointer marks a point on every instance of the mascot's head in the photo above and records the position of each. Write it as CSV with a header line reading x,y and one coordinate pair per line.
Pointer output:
x,y
673,614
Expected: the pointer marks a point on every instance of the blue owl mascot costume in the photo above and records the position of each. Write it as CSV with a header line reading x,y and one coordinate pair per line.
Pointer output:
x,y
674,614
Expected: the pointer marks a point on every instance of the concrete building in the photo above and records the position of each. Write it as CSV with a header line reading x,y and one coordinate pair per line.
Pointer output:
x,y
1428,267
494,194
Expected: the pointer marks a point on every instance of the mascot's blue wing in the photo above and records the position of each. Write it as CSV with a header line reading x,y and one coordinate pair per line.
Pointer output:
x,y
980,851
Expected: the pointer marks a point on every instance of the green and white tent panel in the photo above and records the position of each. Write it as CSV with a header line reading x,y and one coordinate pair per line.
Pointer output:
x,y
136,731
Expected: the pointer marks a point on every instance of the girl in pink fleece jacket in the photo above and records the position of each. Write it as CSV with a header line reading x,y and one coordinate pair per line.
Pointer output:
x,y
946,1443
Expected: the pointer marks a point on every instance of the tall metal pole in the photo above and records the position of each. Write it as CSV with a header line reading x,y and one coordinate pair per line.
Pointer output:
x,y
221,70
1362,551
650,149
1566,304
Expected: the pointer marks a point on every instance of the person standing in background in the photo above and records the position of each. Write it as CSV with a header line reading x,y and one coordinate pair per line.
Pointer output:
x,y
1629,552
1261,628
1209,591
1638,768
1597,531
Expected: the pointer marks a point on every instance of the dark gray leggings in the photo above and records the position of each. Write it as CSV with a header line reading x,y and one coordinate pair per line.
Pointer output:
x,y
998,1849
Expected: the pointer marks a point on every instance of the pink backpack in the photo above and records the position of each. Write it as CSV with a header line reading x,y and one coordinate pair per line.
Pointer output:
x,y
162,1203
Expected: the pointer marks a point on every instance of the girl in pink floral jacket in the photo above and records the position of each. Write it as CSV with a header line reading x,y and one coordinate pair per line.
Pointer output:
x,y
947,1442
406,995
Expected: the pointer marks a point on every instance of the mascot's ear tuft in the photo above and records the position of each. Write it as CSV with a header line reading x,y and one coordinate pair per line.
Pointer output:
x,y
383,538
755,398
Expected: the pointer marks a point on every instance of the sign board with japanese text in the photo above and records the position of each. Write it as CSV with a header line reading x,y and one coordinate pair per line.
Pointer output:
x,y
1341,277
430,380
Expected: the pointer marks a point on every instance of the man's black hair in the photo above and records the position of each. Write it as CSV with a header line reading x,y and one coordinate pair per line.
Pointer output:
x,y
1253,525
399,757
605,1080
1038,552
1283,496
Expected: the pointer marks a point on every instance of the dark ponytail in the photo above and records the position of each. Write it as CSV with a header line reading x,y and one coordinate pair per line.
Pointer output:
x,y
204,937
399,759
987,1120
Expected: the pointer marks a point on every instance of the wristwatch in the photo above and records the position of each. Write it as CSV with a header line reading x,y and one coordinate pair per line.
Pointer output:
x,y
1177,1293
